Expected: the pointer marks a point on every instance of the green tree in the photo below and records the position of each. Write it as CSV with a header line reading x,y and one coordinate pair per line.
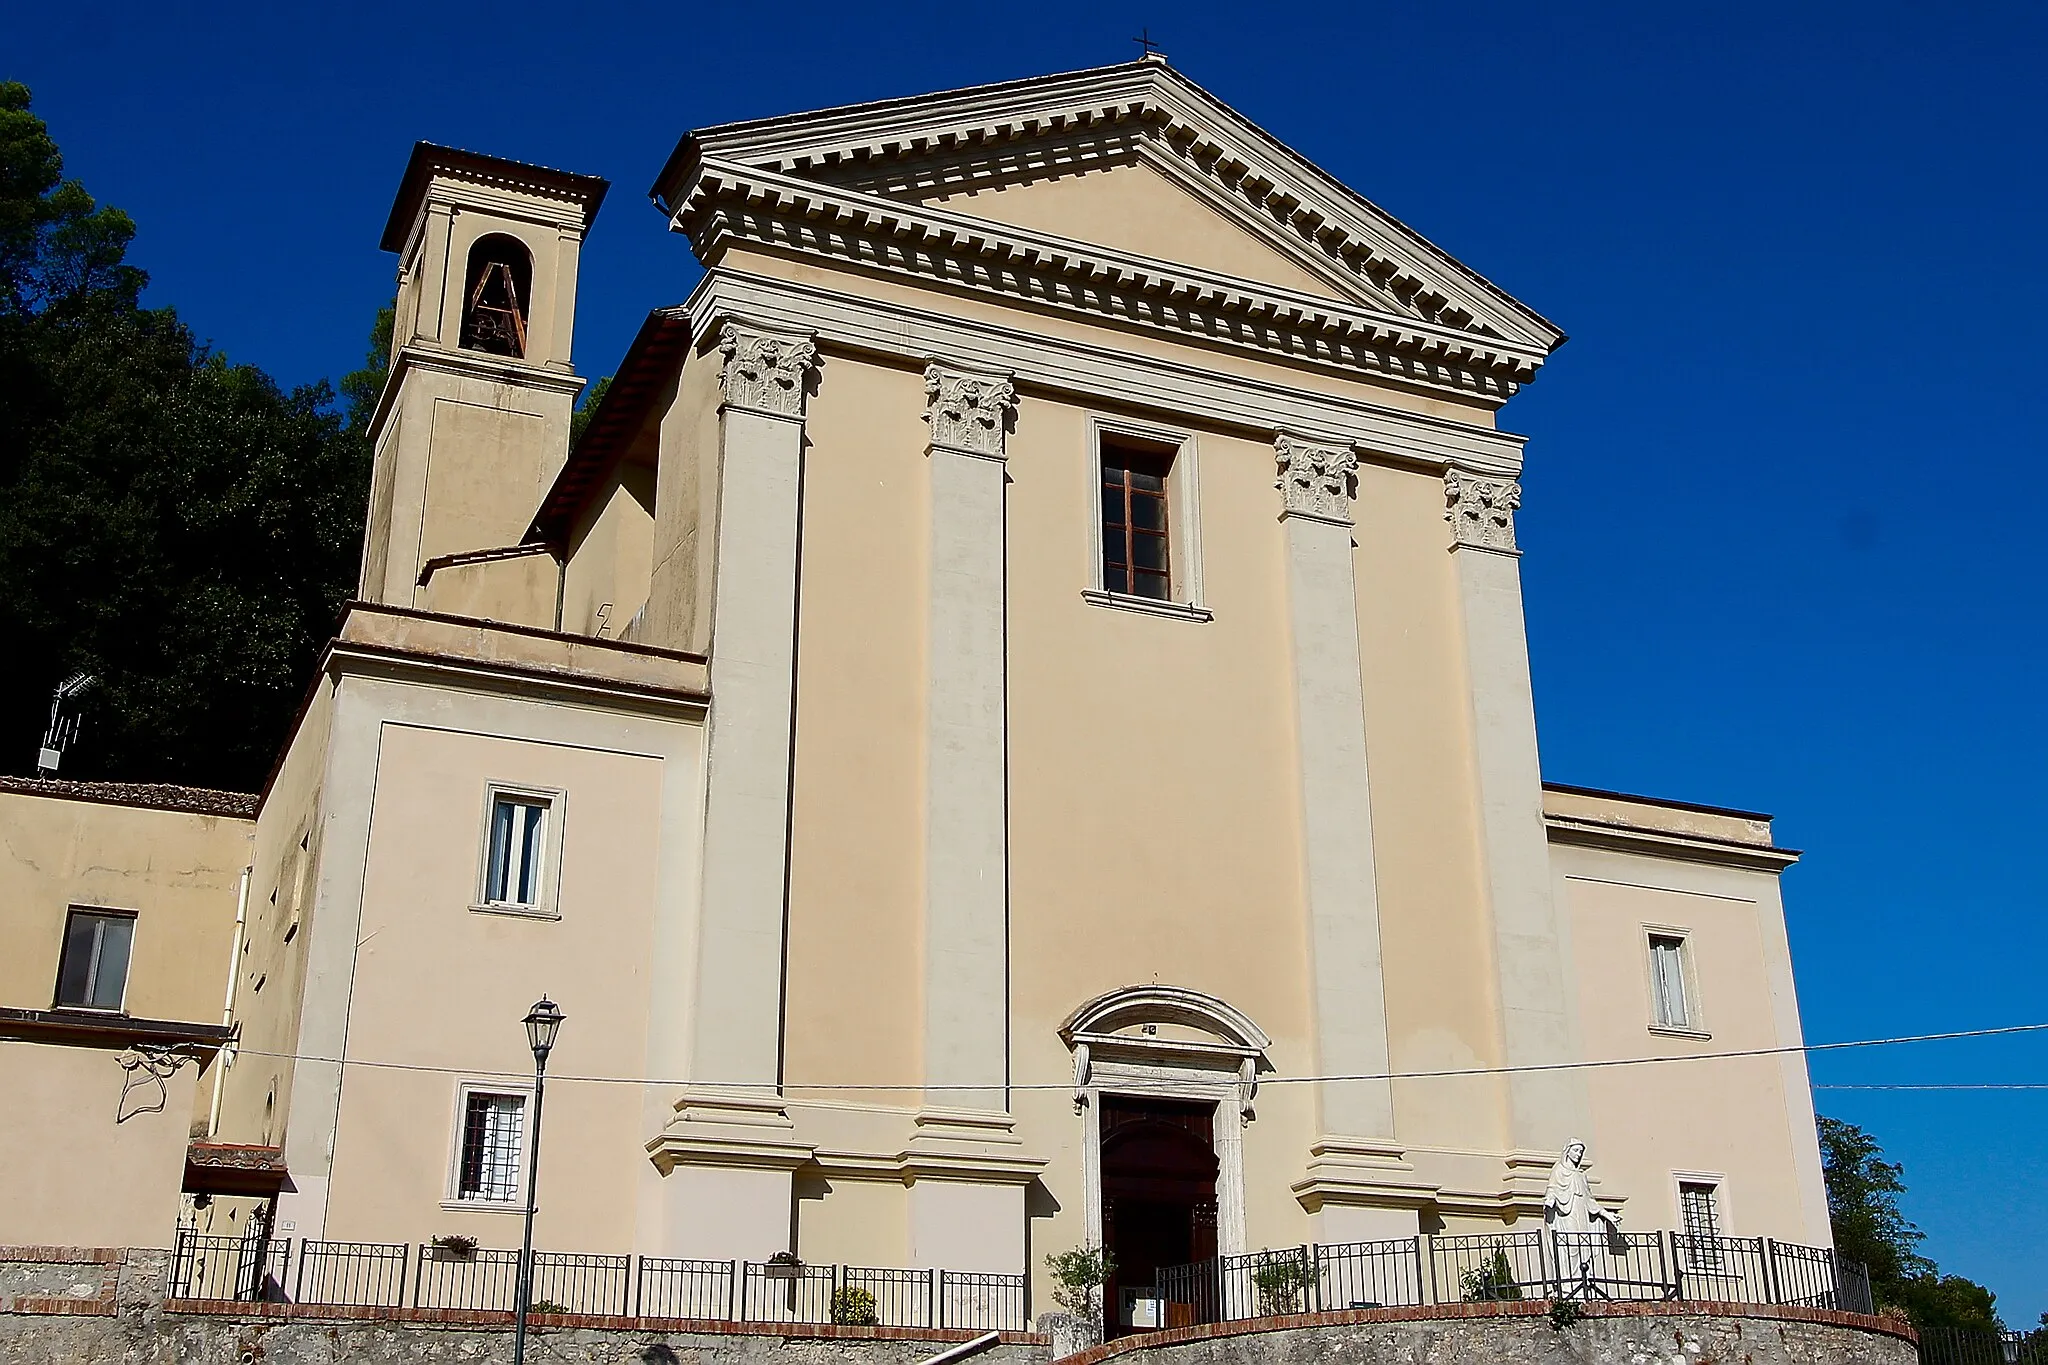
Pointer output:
x,y
177,525
1869,1226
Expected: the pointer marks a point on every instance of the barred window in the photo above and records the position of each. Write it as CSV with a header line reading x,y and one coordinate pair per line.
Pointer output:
x,y
493,1129
1702,1222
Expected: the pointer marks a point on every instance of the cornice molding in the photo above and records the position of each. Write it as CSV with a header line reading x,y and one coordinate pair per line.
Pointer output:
x,y
1579,832
1102,374
729,204
1318,215
496,369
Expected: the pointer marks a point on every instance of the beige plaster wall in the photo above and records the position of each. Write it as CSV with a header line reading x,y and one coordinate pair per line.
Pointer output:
x,y
1135,208
1735,1119
685,535
75,1177
179,872
519,591
270,979
855,955
611,555
442,986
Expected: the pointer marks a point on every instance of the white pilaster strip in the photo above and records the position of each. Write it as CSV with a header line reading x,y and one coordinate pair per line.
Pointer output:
x,y
966,929
738,1025
1336,800
1545,1109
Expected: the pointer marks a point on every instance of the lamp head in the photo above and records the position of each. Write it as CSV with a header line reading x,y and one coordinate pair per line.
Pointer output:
x,y
543,1022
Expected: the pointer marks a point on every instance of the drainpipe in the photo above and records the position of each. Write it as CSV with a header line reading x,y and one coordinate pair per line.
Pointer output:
x,y
227,1009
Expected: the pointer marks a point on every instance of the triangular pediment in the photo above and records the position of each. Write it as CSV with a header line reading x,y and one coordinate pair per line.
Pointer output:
x,y
1136,158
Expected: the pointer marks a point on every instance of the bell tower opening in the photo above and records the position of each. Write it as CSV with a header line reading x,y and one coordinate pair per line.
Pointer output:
x,y
1158,1200
497,292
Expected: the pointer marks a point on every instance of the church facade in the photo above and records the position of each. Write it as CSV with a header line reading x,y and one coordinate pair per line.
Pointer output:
x,y
1010,730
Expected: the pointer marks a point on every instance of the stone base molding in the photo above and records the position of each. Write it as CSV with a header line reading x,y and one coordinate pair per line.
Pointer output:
x,y
1522,1334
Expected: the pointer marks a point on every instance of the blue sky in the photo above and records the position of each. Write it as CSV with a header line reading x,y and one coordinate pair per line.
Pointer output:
x,y
1784,493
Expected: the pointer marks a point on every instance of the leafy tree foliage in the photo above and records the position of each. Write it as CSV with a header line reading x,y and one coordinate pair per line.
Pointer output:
x,y
175,524
1869,1226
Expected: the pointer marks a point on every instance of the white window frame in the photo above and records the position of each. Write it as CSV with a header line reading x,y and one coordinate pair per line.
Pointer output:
x,y
451,1197
546,903
1723,1222
1183,514
1695,1012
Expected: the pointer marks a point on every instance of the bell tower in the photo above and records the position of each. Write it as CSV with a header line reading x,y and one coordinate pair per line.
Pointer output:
x,y
474,420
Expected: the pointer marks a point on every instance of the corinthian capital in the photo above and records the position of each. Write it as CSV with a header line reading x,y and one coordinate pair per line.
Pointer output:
x,y
1482,510
967,411
1316,478
765,371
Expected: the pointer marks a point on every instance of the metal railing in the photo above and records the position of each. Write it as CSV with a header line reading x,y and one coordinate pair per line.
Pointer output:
x,y
247,1268
1507,1267
440,1275
1982,1346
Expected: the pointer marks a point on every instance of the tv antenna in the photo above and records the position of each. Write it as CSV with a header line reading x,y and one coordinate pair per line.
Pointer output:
x,y
63,722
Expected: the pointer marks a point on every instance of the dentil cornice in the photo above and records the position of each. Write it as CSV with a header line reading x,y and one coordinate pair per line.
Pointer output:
x,y
956,133
765,372
968,412
733,204
1317,478
1481,511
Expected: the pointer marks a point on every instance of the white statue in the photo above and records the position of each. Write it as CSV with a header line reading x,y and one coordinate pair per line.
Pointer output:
x,y
1568,1205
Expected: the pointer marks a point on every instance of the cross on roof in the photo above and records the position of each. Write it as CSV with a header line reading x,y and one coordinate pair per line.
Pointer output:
x,y
1144,40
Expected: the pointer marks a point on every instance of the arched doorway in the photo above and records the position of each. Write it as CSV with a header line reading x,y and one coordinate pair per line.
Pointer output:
x,y
1158,1196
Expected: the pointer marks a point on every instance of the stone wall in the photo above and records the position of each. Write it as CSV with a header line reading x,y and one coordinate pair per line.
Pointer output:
x,y
1523,1334
64,1306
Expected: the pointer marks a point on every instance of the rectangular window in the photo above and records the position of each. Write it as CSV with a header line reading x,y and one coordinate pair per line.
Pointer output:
x,y
493,1147
1136,554
1702,1223
1671,1004
512,874
93,973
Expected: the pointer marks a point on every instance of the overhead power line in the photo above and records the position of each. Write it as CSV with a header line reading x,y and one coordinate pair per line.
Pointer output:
x,y
1446,1073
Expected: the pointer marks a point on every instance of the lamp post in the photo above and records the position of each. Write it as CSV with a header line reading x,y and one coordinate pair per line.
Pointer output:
x,y
543,1022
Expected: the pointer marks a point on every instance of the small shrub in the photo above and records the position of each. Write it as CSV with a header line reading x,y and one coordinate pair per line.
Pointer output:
x,y
1280,1279
1076,1275
547,1306
853,1307
1493,1282
1565,1312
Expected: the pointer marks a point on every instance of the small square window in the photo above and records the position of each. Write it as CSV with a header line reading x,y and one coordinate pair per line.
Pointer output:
x,y
1671,1002
522,841
493,1148
93,972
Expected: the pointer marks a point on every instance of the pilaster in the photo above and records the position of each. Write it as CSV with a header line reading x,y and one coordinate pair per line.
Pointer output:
x,y
1317,480
962,1206
729,1152
1545,1109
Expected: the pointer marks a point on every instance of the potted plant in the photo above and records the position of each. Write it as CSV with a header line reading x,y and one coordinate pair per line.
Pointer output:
x,y
1281,1277
452,1247
783,1265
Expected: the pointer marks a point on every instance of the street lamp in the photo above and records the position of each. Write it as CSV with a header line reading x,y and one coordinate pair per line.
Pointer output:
x,y
543,1022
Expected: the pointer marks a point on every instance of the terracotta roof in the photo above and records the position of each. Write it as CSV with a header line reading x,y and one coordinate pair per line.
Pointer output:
x,y
650,362
150,795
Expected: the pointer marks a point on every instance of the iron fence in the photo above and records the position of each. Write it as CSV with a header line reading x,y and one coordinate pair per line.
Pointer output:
x,y
1982,1346
1511,1266
465,1277
670,1287
570,1282
370,1274
247,1268
981,1300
